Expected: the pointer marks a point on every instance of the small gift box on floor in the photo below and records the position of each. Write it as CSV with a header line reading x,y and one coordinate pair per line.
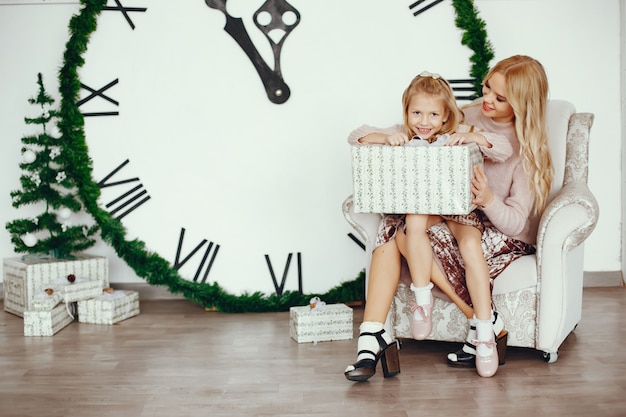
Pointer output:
x,y
109,307
46,300
414,179
46,322
74,288
320,322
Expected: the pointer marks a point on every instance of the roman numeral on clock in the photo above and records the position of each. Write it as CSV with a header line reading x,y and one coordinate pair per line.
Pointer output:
x,y
99,93
418,10
178,263
279,288
124,10
464,89
356,240
129,200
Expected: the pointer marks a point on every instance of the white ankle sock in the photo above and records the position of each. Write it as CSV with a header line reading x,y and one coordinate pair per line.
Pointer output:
x,y
367,342
422,294
484,332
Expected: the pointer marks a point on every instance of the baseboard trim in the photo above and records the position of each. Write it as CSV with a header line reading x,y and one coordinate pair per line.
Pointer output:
x,y
603,279
151,292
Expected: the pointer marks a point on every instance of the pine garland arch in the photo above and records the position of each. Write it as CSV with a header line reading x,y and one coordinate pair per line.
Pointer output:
x,y
149,265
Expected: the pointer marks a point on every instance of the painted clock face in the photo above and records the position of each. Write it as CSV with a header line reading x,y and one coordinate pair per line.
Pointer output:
x,y
225,184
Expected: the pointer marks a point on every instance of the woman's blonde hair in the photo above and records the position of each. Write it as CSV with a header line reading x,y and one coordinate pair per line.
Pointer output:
x,y
526,90
436,86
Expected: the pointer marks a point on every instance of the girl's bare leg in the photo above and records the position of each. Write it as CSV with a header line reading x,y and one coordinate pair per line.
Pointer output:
x,y
437,276
418,252
476,269
477,279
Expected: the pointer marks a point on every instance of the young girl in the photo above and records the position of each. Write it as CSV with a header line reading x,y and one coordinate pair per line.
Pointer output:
x,y
430,115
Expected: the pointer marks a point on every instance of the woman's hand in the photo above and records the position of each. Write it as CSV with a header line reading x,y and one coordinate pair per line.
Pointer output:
x,y
480,188
468,137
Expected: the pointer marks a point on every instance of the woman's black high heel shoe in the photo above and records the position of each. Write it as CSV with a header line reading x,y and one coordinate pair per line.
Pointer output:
x,y
366,368
466,356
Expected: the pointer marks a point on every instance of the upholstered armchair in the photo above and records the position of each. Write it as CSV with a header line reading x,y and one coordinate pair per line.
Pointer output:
x,y
539,296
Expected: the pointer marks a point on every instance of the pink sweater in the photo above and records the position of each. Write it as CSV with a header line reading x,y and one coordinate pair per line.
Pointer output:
x,y
513,201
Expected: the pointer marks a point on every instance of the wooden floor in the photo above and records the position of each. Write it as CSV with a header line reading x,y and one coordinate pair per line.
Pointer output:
x,y
175,359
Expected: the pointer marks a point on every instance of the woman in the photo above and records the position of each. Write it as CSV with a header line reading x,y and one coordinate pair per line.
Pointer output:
x,y
509,193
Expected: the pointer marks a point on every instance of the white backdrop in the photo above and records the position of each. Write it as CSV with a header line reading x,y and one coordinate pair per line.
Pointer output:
x,y
221,161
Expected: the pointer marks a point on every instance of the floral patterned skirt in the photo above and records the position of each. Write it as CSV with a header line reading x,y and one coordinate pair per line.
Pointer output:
x,y
499,249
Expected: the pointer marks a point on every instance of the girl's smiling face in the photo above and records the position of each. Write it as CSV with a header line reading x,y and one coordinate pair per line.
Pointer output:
x,y
426,115
495,104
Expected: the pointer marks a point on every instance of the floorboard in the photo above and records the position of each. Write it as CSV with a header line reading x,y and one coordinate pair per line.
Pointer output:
x,y
176,359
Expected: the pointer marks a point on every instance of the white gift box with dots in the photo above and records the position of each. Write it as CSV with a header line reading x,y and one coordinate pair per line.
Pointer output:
x,y
414,179
324,323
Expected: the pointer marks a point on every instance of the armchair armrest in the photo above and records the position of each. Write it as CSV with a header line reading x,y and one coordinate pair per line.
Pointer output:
x,y
567,221
570,230
564,225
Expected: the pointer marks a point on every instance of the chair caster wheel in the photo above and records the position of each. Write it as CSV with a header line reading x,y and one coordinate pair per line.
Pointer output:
x,y
550,357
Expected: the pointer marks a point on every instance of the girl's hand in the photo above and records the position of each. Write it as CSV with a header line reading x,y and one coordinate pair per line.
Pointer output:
x,y
480,188
397,139
468,137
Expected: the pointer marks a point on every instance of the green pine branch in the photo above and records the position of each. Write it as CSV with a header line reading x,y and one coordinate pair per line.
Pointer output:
x,y
475,38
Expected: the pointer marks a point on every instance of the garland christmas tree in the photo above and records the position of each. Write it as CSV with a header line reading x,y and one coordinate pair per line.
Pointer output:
x,y
44,181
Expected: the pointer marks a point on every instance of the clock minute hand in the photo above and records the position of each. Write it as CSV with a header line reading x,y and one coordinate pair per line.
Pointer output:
x,y
275,87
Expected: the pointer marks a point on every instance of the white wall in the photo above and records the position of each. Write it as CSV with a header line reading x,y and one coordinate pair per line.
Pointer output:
x,y
186,91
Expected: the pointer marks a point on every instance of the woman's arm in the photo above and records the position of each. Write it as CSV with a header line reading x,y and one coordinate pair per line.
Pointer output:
x,y
493,146
511,214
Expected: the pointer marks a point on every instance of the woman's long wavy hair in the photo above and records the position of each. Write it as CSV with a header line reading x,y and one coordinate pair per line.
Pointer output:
x,y
527,92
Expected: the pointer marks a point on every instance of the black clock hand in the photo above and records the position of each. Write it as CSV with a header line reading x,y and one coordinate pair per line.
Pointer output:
x,y
275,87
278,10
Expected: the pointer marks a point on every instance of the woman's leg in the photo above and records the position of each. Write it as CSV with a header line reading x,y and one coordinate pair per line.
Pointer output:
x,y
382,282
374,343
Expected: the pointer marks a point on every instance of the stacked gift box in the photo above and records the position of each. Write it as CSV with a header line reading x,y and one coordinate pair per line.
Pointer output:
x,y
48,293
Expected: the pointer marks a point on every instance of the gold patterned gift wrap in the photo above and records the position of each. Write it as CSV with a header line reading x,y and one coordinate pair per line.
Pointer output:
x,y
46,322
324,323
109,308
23,277
414,179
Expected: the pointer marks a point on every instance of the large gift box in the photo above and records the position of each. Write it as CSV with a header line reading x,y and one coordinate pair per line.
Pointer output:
x,y
46,322
109,307
414,179
323,323
25,277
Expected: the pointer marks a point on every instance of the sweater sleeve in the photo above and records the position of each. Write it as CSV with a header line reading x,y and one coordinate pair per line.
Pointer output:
x,y
500,149
364,130
511,214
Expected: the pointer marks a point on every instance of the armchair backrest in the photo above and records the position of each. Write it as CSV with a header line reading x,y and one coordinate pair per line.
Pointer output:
x,y
558,117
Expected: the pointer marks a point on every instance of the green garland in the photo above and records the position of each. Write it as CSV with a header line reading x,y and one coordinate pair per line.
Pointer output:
x,y
475,38
146,264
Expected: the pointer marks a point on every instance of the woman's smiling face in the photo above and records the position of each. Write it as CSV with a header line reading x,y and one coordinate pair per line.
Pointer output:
x,y
495,105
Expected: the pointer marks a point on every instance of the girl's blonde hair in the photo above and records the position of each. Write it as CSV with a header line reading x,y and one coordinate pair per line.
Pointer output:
x,y
433,85
526,86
